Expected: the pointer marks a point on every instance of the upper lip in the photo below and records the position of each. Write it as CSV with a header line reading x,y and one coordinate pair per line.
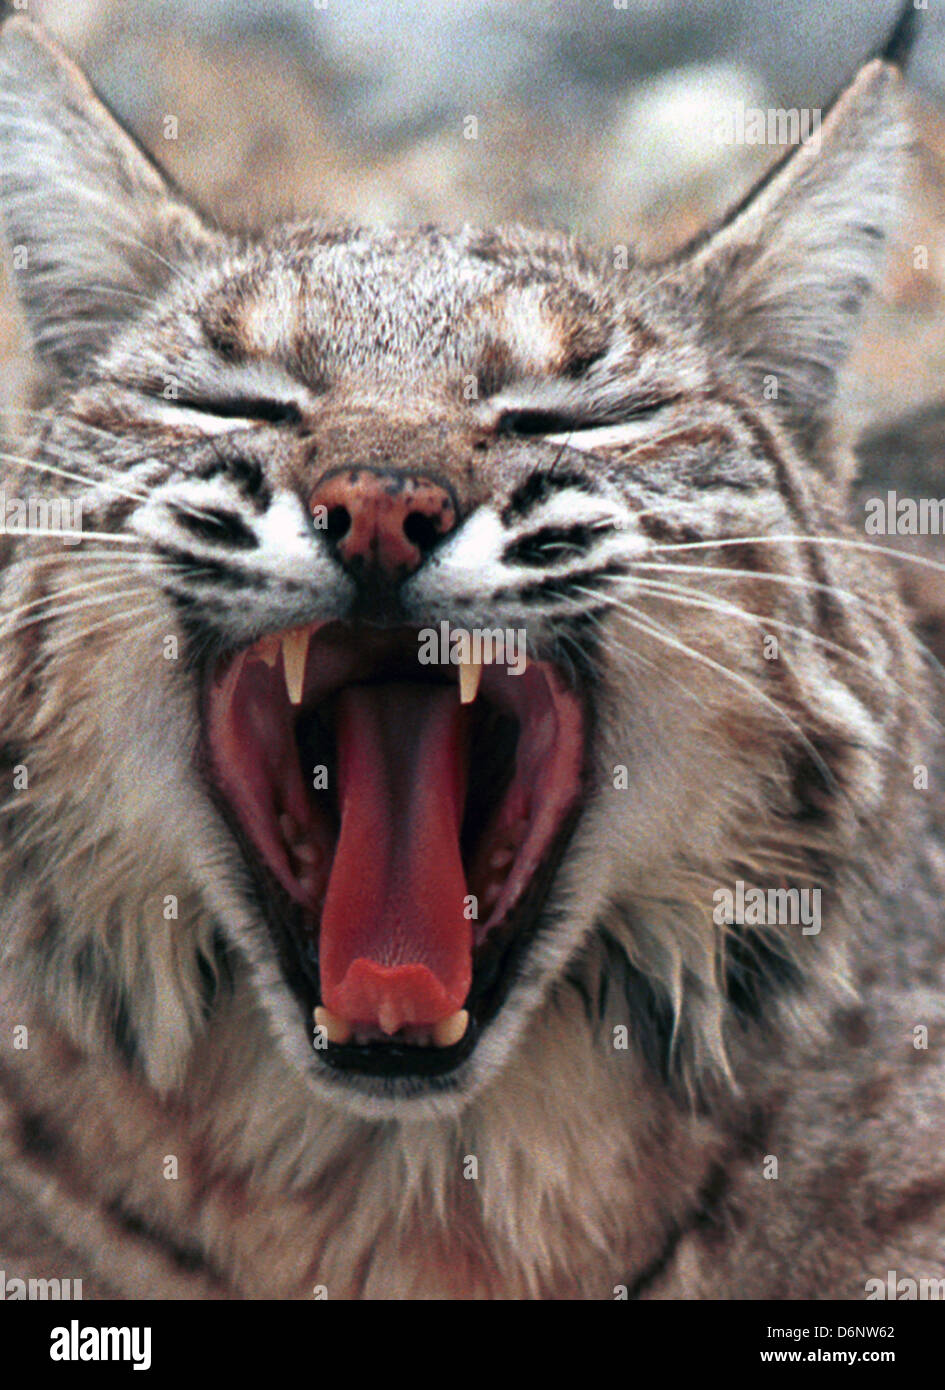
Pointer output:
x,y
266,703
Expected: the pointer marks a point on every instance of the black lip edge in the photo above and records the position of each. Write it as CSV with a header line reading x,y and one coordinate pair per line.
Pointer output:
x,y
499,959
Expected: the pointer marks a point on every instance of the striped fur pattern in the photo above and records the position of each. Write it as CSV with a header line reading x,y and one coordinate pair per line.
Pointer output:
x,y
648,485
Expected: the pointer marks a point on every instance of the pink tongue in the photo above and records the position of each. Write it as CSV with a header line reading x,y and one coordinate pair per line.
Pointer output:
x,y
395,946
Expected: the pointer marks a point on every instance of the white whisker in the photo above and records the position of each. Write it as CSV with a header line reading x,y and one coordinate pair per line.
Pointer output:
x,y
645,624
677,594
880,550
73,477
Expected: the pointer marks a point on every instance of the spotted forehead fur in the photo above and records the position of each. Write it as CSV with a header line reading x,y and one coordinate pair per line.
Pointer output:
x,y
387,302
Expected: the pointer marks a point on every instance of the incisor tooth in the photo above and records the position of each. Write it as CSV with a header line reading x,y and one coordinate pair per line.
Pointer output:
x,y
267,649
449,1030
470,674
337,1030
294,653
388,1017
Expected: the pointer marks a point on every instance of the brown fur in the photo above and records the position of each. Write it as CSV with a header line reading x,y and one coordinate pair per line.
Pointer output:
x,y
553,1163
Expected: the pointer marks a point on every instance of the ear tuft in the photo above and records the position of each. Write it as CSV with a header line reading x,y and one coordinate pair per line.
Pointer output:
x,y
90,220
901,42
782,282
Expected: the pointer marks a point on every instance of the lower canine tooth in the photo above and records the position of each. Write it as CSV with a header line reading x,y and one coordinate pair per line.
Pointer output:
x,y
337,1030
294,653
470,674
449,1030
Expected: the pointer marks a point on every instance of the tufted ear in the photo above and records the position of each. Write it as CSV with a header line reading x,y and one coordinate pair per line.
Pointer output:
x,y
779,287
91,223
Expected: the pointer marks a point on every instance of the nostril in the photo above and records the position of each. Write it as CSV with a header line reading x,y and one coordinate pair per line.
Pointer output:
x,y
421,530
337,523
381,520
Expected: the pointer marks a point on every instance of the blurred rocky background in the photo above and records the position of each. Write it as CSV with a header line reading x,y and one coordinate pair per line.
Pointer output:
x,y
599,115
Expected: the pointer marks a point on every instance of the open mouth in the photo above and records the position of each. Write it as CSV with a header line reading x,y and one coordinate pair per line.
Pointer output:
x,y
402,822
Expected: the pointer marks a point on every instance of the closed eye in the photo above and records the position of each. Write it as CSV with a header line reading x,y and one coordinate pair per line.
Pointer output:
x,y
525,422
556,426
220,414
255,408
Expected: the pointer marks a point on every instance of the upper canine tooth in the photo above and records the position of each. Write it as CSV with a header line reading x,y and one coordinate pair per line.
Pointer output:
x,y
294,653
449,1030
470,674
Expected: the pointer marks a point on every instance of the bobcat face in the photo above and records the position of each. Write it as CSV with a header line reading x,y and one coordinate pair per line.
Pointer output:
x,y
307,458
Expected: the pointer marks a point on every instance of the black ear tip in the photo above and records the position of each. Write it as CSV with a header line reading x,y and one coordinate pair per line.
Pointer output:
x,y
901,41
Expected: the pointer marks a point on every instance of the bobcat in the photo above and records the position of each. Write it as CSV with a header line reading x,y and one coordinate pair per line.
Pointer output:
x,y
329,970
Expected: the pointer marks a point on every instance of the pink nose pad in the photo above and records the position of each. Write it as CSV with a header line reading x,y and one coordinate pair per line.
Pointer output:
x,y
386,521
